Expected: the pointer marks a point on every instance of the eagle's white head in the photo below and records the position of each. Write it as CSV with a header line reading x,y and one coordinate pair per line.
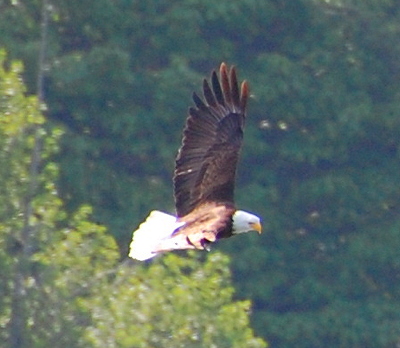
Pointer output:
x,y
245,222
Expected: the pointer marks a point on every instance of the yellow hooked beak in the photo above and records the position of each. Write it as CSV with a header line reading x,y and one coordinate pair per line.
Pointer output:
x,y
256,227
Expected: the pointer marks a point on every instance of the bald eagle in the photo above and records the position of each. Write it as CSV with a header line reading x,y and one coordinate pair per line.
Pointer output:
x,y
204,175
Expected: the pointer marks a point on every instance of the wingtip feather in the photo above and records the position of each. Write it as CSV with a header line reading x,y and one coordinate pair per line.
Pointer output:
x,y
217,89
223,71
244,95
208,94
234,90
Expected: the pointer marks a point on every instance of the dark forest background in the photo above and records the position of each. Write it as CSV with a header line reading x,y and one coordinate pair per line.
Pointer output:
x,y
320,165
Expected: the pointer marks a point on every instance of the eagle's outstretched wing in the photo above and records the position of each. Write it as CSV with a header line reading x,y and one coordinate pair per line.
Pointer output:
x,y
206,163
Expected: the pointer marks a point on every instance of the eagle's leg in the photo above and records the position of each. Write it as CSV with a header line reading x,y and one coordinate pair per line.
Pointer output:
x,y
201,240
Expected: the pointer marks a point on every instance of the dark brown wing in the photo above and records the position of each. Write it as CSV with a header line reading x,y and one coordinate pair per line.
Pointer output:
x,y
206,162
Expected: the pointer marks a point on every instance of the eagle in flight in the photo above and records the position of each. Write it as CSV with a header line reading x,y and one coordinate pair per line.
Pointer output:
x,y
204,177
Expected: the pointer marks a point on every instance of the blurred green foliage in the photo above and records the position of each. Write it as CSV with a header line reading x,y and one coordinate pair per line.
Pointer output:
x,y
320,161
178,302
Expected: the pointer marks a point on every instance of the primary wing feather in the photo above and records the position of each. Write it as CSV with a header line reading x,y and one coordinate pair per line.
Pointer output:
x,y
206,162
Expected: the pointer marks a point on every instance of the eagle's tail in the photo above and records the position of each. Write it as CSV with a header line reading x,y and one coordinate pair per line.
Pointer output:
x,y
152,234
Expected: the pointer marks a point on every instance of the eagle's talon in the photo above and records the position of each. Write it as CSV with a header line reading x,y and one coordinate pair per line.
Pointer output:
x,y
206,244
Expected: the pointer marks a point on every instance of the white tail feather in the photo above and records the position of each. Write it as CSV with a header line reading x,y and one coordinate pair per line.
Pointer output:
x,y
147,239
